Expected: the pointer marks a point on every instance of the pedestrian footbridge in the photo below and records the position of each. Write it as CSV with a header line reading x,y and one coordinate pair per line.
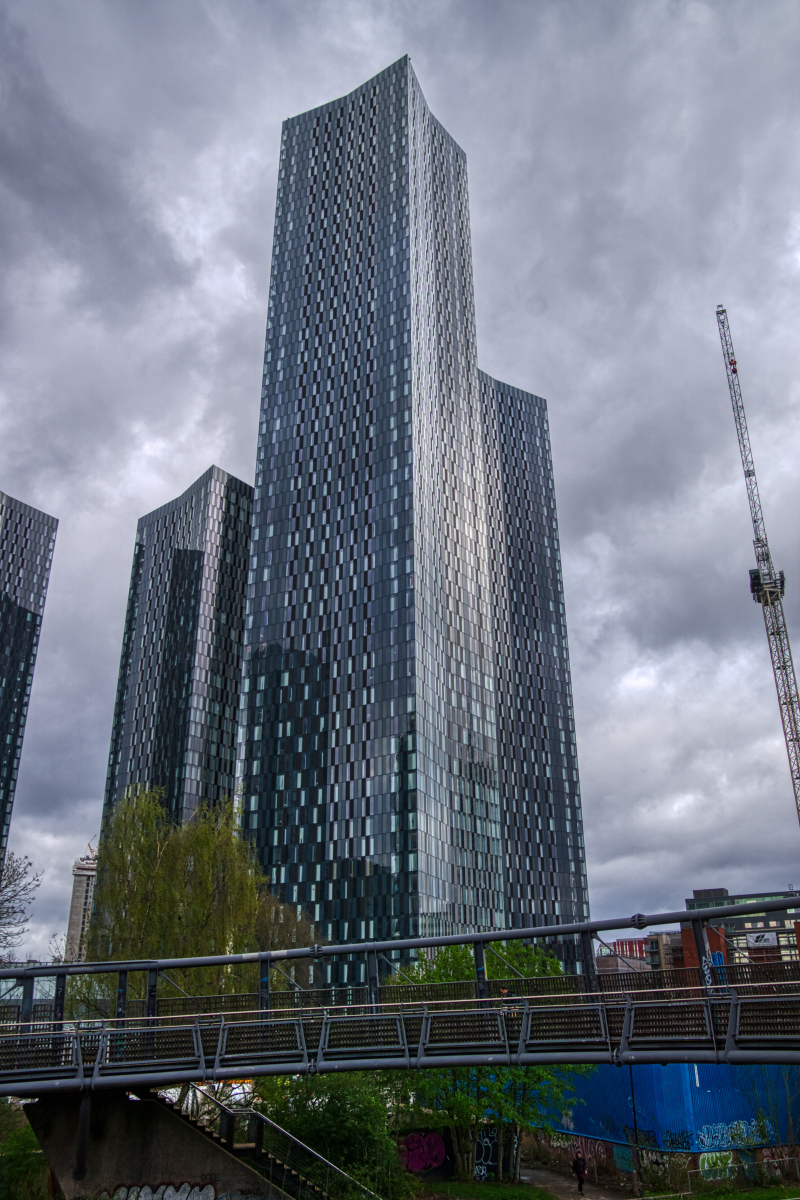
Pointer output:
x,y
709,1015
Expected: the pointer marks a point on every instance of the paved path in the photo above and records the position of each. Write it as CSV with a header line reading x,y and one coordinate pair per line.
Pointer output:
x,y
566,1188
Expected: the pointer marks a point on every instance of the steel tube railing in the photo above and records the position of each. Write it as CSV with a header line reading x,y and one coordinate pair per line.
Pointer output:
x,y
637,921
723,1027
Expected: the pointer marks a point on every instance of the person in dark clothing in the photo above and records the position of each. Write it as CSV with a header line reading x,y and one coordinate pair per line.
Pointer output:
x,y
579,1169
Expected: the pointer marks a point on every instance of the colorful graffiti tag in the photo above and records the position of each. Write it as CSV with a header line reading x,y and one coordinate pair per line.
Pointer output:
x,y
736,1133
718,1164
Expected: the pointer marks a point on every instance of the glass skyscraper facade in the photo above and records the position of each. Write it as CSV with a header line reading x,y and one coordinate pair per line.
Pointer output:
x,y
545,864
27,538
180,669
382,782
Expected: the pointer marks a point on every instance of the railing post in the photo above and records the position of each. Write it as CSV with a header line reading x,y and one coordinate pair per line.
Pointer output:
x,y
59,1000
227,1128
703,952
589,966
372,979
481,986
121,1010
263,982
26,1011
152,991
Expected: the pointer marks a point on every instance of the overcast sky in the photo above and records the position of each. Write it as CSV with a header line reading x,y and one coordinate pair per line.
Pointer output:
x,y
631,165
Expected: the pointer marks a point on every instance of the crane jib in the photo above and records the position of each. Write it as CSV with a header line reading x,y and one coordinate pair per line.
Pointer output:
x,y
766,586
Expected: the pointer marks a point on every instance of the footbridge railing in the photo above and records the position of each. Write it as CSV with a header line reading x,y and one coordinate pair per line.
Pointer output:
x,y
517,1031
701,1016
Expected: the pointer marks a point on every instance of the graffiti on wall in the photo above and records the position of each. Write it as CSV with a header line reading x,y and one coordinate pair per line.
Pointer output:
x,y
593,1151
718,1164
677,1139
602,1155
735,1133
170,1191
422,1151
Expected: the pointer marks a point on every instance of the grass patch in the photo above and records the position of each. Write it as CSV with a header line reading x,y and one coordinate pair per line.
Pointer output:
x,y
777,1191
488,1191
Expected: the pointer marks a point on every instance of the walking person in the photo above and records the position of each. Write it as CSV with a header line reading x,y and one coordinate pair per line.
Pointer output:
x,y
579,1169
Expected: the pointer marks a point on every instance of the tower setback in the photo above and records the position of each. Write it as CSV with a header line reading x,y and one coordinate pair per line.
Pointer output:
x,y
180,668
407,754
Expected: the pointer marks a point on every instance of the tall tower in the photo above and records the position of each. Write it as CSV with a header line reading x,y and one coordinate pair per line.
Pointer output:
x,y
537,752
84,877
27,538
369,711
180,667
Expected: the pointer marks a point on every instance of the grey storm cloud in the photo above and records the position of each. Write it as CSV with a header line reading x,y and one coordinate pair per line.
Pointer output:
x,y
631,166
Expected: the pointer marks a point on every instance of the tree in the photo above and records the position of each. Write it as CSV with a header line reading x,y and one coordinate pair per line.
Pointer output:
x,y
17,893
166,890
455,964
506,959
345,1119
465,1099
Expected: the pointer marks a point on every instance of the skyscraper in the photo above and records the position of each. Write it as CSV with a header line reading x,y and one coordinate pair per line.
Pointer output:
x,y
180,668
383,783
27,538
84,877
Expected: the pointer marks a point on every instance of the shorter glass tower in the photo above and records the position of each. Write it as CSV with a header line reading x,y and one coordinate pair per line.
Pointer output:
x,y
175,713
537,761
27,538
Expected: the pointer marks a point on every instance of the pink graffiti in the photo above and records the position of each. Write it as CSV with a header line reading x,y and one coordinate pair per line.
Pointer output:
x,y
422,1151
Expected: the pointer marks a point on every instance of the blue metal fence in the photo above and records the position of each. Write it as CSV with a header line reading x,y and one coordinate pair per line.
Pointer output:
x,y
691,1108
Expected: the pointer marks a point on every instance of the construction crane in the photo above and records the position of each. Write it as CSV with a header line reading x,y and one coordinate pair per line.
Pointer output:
x,y
766,584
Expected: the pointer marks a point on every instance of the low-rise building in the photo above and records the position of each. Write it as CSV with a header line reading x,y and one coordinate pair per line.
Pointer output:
x,y
774,937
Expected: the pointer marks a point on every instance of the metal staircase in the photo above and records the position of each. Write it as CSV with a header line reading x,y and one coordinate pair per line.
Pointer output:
x,y
294,1170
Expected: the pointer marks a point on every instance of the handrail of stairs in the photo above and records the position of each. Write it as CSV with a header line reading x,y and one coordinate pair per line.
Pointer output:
x,y
316,1177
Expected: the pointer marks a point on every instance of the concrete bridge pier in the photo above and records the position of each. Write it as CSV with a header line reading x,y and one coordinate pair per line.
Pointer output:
x,y
98,1143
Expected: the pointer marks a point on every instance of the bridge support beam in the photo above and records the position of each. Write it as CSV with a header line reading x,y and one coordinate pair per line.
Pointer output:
x,y
133,1143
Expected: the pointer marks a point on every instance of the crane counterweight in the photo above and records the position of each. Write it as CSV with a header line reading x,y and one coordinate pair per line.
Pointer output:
x,y
766,585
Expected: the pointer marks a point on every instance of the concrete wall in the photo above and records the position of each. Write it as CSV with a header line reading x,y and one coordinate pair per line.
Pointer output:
x,y
137,1147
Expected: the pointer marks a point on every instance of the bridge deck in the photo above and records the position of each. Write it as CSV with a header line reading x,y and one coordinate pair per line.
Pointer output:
x,y
676,1025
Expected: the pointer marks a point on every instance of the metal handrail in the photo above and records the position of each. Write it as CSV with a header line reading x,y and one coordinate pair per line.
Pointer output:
x,y
386,1005
284,1133
638,921
145,1051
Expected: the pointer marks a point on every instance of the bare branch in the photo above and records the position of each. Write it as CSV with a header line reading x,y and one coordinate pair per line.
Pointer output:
x,y
17,893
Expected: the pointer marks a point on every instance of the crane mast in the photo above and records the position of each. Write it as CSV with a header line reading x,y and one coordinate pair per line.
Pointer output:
x,y
766,585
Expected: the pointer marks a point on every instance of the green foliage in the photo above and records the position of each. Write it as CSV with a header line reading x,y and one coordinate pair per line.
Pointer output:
x,y
166,890
463,1099
343,1118
23,1169
491,1191
454,964
450,964
529,961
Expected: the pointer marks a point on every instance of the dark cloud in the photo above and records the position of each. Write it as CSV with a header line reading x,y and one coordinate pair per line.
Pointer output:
x,y
630,167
